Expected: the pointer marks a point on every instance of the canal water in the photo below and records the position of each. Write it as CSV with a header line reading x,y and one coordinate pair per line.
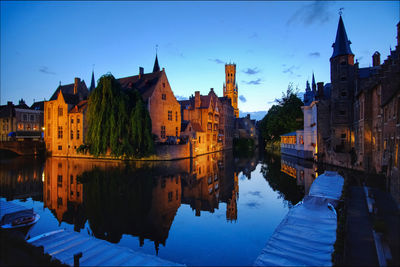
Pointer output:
x,y
216,209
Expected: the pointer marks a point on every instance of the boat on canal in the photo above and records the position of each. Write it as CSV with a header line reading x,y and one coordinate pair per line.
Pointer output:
x,y
14,216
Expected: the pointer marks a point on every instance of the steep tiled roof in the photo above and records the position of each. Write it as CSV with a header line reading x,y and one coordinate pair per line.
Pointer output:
x,y
145,84
196,127
80,107
38,105
341,46
68,92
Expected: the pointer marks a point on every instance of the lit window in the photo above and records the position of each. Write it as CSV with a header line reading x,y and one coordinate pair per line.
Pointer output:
x,y
162,131
60,132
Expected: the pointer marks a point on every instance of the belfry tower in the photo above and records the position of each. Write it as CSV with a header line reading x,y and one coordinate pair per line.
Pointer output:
x,y
230,87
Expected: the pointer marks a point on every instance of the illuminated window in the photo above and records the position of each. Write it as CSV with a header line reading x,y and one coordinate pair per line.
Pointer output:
x,y
60,132
162,131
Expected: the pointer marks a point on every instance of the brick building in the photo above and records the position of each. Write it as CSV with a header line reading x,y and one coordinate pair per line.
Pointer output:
x,y
204,112
64,119
161,103
230,88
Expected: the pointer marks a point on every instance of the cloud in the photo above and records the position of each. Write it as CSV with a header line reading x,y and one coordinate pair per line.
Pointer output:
x,y
255,193
45,70
253,204
252,71
314,54
255,82
216,60
179,97
315,12
290,69
242,98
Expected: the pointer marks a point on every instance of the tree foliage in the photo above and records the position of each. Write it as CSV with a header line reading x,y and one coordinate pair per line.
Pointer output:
x,y
118,121
283,117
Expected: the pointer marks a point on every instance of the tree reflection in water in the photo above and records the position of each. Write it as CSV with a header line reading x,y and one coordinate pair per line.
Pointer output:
x,y
285,185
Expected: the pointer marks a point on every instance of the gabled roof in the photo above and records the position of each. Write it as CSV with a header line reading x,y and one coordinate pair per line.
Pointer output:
x,y
68,92
341,46
80,107
195,126
367,72
145,83
38,105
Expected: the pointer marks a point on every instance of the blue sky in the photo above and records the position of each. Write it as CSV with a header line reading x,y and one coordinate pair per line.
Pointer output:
x,y
273,43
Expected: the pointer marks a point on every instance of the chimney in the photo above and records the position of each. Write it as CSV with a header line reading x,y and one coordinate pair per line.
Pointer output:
x,y
376,59
9,103
248,116
77,82
320,87
197,101
141,72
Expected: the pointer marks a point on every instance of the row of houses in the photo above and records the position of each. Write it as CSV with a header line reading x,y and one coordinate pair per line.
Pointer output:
x,y
353,121
204,123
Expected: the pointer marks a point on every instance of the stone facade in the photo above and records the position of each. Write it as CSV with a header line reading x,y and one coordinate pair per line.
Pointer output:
x,y
20,121
64,120
205,111
230,87
161,103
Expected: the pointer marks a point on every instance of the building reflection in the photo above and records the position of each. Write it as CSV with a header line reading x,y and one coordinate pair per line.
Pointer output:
x,y
303,171
140,199
21,183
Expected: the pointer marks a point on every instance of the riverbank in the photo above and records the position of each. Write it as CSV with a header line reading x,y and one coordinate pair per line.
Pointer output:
x,y
15,251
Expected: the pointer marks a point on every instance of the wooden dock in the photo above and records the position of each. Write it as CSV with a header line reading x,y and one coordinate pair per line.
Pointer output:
x,y
74,249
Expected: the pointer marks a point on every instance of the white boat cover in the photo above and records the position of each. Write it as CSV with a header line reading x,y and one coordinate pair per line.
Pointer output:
x,y
308,232
327,185
64,244
10,211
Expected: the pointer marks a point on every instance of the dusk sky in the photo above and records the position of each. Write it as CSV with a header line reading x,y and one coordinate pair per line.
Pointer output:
x,y
272,43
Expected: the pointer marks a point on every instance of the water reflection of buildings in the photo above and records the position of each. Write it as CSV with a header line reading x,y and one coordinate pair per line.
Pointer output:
x,y
302,170
21,183
141,202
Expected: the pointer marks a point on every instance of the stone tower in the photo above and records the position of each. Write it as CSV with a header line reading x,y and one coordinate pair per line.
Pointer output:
x,y
230,87
342,94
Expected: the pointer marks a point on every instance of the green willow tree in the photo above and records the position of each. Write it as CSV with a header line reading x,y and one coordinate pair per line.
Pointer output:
x,y
118,121
284,117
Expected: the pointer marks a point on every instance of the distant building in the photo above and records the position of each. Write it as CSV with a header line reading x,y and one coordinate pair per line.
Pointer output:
x,y
246,128
230,87
20,122
64,120
160,101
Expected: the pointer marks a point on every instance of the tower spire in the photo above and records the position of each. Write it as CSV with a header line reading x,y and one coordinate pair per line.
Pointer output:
x,y
313,85
341,46
156,67
92,83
